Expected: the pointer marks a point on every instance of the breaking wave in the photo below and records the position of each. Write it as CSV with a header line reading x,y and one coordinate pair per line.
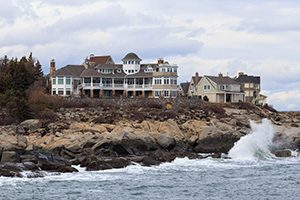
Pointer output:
x,y
255,145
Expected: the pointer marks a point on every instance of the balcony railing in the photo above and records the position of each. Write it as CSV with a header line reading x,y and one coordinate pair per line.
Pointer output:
x,y
114,86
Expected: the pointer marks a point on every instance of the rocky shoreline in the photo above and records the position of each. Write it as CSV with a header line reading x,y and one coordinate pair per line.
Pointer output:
x,y
99,138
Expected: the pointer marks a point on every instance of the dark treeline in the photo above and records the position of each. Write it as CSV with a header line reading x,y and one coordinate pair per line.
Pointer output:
x,y
16,77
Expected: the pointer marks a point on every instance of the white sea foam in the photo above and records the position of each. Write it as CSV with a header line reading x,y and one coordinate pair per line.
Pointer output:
x,y
255,145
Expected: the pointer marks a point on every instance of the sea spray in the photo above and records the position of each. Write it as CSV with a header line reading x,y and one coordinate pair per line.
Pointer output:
x,y
255,145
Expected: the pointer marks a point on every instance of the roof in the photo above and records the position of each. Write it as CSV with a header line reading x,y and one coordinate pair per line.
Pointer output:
x,y
131,56
101,59
223,80
248,79
108,66
196,81
90,72
185,87
70,70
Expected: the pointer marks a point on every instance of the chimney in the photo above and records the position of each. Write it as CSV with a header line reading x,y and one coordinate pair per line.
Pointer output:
x,y
240,74
197,78
52,68
220,74
160,61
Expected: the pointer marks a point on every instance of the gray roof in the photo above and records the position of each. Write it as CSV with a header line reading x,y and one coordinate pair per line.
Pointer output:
x,y
185,87
223,80
109,66
248,79
90,72
131,56
70,70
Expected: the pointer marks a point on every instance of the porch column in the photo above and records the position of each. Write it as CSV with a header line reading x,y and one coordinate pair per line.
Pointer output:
x,y
125,93
101,93
143,93
92,93
133,93
113,93
143,82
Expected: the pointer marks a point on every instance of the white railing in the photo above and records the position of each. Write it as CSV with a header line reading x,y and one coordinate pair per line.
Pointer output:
x,y
96,84
138,86
112,86
148,86
107,85
119,86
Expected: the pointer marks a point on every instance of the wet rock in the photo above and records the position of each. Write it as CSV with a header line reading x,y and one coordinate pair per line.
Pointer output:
x,y
217,143
10,156
103,164
166,141
283,153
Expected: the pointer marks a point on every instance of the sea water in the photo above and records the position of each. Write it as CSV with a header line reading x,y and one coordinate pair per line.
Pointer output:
x,y
252,173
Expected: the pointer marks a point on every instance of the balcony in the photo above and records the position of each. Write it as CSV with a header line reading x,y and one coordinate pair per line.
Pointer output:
x,y
114,86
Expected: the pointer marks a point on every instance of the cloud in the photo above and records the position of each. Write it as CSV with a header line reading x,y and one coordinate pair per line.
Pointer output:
x,y
285,100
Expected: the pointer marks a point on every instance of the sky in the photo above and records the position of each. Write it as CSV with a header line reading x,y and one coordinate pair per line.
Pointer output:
x,y
256,37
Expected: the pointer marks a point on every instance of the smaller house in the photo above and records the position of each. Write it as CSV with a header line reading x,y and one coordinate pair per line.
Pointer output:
x,y
217,89
252,88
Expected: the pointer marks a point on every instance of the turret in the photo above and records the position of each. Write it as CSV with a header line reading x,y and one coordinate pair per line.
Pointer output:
x,y
131,63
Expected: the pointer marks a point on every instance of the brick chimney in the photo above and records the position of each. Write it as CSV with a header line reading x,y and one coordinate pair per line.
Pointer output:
x,y
197,78
160,61
220,74
52,68
240,74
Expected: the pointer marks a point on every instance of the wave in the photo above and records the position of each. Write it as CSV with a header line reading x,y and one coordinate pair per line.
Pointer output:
x,y
255,145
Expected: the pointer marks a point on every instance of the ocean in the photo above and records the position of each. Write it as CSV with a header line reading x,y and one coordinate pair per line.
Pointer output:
x,y
251,173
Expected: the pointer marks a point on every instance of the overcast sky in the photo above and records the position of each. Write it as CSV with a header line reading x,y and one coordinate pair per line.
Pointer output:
x,y
209,36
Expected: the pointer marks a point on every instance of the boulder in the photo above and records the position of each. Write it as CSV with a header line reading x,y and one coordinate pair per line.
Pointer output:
x,y
9,156
216,143
283,153
6,172
166,141
102,164
31,124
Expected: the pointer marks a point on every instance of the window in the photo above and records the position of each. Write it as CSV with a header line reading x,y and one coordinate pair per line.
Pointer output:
x,y
136,70
166,81
166,93
222,87
60,91
60,81
53,91
174,93
157,93
206,87
68,92
68,81
157,81
54,81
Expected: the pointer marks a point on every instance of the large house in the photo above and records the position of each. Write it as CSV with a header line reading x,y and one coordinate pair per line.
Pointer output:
x,y
99,76
252,88
218,89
